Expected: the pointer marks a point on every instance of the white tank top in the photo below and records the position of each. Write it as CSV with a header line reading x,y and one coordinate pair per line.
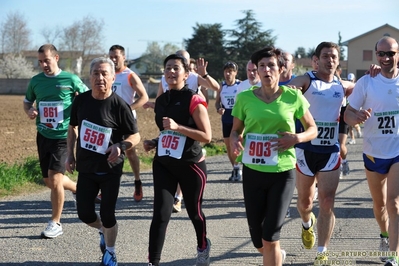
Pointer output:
x,y
325,98
192,82
123,88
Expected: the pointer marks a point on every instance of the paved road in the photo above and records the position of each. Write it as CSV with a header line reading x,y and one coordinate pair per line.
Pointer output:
x,y
23,218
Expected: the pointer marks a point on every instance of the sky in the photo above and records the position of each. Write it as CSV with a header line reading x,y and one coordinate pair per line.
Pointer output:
x,y
135,23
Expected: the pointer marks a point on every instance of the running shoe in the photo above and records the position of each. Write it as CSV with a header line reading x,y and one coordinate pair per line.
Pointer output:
x,y
203,258
288,213
391,262
138,191
102,243
177,205
283,255
98,199
352,141
237,174
384,246
321,259
109,259
308,235
52,230
316,193
232,177
74,199
345,168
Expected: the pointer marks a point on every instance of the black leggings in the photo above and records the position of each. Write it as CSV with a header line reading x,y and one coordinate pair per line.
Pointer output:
x,y
267,197
192,180
88,187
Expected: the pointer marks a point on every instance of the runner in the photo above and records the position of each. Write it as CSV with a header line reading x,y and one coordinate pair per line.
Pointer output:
x,y
53,91
264,123
319,159
182,118
374,103
102,128
224,103
127,84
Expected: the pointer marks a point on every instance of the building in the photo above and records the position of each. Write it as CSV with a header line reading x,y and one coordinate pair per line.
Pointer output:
x,y
361,49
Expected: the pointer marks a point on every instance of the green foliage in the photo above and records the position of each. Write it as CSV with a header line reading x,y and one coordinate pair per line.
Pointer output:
x,y
247,38
207,42
154,56
15,175
214,148
300,52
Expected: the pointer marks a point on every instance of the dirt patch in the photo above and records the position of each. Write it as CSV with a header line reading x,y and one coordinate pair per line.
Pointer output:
x,y
18,132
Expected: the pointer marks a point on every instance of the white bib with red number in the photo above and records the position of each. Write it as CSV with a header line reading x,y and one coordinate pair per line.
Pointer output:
x,y
51,113
258,149
327,133
94,137
171,143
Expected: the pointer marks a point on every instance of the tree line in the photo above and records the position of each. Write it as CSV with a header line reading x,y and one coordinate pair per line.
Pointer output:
x,y
80,39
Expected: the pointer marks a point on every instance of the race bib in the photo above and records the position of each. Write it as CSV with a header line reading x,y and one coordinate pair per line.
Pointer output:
x,y
258,149
117,87
228,101
51,113
171,143
327,133
94,137
386,123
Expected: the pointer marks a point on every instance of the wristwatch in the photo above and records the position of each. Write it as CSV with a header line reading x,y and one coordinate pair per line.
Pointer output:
x,y
122,145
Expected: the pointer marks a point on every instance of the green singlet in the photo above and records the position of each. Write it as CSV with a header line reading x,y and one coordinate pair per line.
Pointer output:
x,y
54,96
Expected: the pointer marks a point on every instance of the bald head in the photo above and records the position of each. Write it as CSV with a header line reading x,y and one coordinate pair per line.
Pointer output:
x,y
386,40
386,51
185,54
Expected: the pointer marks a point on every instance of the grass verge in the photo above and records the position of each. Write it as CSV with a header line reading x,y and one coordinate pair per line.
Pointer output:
x,y
26,177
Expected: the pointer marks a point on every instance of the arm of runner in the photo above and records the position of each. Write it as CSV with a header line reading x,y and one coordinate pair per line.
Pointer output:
x,y
218,105
30,110
139,88
208,81
301,83
236,136
353,116
70,162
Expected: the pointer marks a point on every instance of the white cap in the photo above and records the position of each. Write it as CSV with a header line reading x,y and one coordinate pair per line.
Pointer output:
x,y
351,77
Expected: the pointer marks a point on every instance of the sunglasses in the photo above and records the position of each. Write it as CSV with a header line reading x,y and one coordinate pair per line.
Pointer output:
x,y
388,53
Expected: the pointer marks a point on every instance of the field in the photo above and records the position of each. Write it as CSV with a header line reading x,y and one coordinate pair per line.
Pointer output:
x,y
18,132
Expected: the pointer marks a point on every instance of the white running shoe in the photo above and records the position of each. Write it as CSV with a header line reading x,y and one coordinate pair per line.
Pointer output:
x,y
345,168
316,194
203,258
283,255
384,246
52,230
237,174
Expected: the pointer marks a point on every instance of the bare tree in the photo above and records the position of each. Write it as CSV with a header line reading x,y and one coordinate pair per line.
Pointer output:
x,y
51,35
14,34
16,66
83,39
